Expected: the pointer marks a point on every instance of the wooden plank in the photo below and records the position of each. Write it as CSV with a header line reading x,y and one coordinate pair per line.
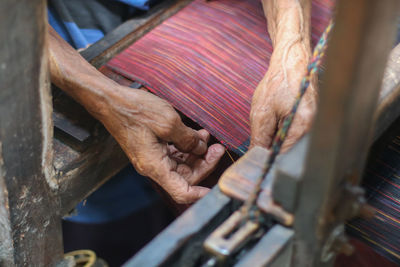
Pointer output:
x,y
181,243
88,171
30,227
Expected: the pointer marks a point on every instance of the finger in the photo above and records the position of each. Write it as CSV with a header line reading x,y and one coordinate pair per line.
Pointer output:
x,y
188,140
192,159
181,191
202,167
263,128
176,155
299,127
204,135
191,195
164,172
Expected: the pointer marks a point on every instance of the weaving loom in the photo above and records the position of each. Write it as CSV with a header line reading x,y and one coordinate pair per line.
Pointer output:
x,y
207,60
207,69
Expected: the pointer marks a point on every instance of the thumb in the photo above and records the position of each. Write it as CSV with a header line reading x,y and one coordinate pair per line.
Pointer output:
x,y
298,128
263,127
188,140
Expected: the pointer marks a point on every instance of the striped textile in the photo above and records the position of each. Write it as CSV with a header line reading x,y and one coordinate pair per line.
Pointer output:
x,y
382,183
207,61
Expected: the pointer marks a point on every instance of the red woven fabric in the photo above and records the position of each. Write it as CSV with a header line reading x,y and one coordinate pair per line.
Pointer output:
x,y
207,61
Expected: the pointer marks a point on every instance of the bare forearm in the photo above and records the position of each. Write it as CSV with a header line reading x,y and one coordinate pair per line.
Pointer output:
x,y
143,124
289,29
288,20
74,75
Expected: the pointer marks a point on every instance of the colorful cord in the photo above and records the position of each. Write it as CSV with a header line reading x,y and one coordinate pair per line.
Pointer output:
x,y
279,139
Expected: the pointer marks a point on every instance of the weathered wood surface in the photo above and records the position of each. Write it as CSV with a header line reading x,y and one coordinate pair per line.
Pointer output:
x,y
240,179
30,226
389,100
342,130
358,83
180,244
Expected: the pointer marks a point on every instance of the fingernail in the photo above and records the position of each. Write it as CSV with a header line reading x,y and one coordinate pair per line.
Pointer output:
x,y
216,152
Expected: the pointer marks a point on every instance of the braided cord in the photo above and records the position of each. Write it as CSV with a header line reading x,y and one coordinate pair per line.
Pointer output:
x,y
312,68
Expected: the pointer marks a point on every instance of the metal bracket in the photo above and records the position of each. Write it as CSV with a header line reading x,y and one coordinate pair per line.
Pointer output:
x,y
230,236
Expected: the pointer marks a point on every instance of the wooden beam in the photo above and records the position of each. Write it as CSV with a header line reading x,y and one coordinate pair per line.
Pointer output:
x,y
30,226
389,100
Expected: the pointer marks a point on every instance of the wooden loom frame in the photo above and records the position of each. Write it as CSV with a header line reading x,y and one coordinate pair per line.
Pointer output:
x,y
316,181
39,184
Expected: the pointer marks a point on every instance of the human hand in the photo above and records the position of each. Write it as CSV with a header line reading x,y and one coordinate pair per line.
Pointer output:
x,y
159,145
142,124
275,95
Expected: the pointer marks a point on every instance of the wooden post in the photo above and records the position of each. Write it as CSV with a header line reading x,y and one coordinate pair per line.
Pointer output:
x,y
30,226
343,128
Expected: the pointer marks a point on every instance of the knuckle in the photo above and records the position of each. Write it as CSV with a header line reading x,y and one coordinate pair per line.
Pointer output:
x,y
172,118
256,116
261,114
142,167
167,131
191,143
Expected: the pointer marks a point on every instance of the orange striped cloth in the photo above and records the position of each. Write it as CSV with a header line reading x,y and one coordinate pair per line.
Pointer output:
x,y
207,61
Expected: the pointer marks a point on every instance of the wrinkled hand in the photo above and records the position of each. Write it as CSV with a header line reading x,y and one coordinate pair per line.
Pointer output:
x,y
159,145
275,95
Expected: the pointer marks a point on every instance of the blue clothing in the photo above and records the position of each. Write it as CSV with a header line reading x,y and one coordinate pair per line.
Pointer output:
x,y
84,22
119,197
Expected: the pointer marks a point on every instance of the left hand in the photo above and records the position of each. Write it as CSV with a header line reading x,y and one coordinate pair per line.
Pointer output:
x,y
275,95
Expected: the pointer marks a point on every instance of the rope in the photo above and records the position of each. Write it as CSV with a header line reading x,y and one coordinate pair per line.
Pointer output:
x,y
250,209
